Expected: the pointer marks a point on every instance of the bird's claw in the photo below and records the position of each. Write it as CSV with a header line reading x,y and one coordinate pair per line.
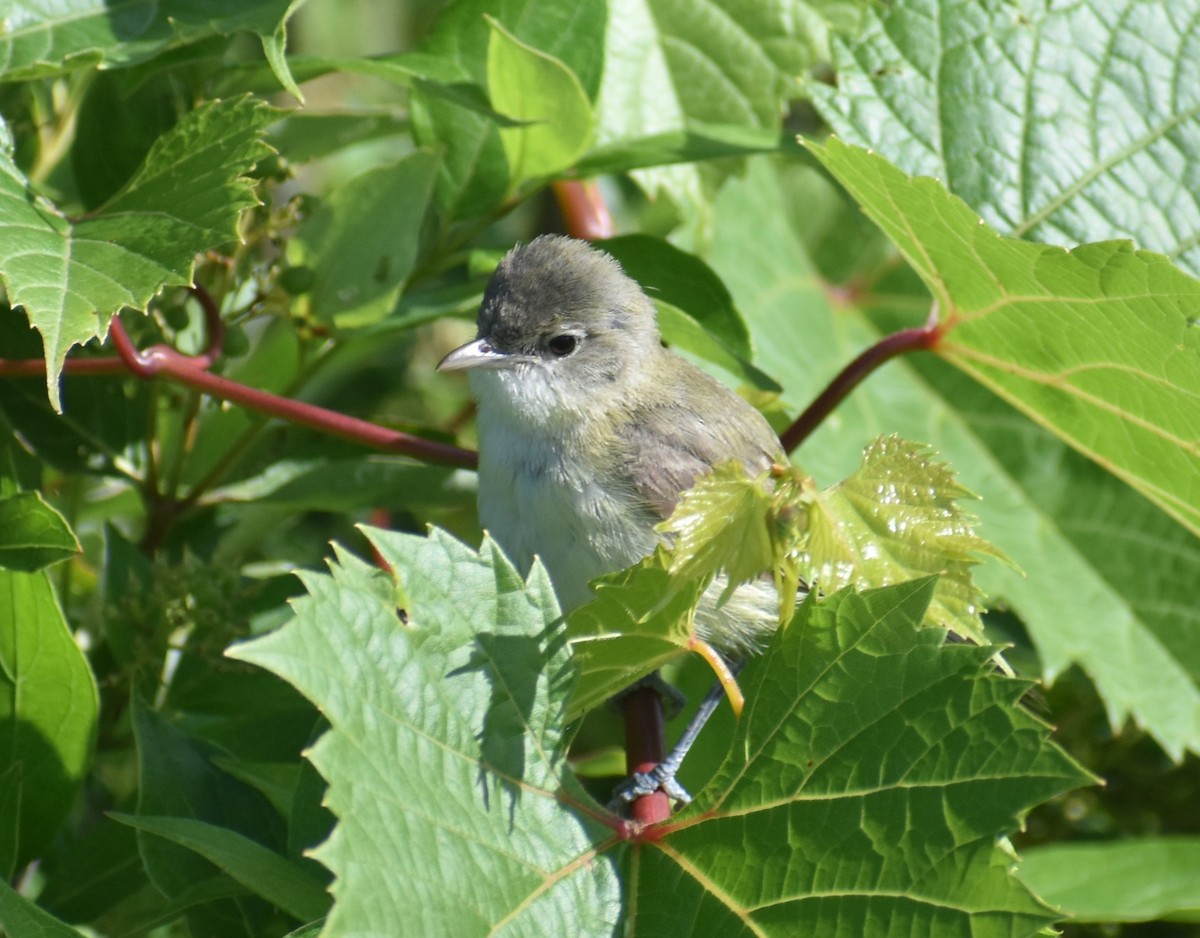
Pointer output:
x,y
640,784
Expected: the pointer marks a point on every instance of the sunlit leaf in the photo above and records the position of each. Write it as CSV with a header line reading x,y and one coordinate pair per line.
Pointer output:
x,y
1096,343
72,276
897,518
48,711
1062,123
444,719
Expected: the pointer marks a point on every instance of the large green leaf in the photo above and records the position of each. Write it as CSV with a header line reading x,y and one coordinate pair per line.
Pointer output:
x,y
1065,123
867,747
48,709
73,275
864,791
52,36
446,760
1108,582
1096,344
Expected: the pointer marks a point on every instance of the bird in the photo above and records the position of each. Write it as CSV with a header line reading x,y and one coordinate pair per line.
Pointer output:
x,y
591,430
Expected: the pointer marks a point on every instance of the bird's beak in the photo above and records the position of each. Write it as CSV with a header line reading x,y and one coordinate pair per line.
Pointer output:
x,y
477,354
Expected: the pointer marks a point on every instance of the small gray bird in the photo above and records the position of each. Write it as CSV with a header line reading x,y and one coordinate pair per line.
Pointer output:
x,y
590,430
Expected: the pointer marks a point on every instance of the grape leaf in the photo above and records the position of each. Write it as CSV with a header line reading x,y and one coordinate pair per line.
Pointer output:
x,y
1109,575
1063,123
640,619
866,783
1115,367
446,760
895,518
73,275
868,747
722,523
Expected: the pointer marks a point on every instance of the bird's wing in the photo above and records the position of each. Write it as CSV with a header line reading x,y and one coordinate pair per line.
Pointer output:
x,y
664,457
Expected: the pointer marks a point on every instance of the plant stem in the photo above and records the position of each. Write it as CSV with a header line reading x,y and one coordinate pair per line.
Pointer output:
x,y
898,343
645,748
190,372
583,209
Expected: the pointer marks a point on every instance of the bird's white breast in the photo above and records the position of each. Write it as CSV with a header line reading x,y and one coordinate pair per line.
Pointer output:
x,y
538,496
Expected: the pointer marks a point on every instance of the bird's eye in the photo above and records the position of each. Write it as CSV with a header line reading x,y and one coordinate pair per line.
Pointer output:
x,y
562,345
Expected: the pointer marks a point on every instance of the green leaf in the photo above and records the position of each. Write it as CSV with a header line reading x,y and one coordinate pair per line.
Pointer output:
x,y
1123,881
49,38
444,720
101,870
474,178
1115,367
673,64
896,518
436,76
721,524
695,311
1060,123
1109,583
683,333
867,782
262,871
48,710
176,778
362,240
33,534
640,620
19,916
669,275
351,484
867,745
1109,575
530,86
693,144
72,276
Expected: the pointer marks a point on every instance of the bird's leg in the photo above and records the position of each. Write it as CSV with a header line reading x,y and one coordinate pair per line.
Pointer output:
x,y
662,776
673,699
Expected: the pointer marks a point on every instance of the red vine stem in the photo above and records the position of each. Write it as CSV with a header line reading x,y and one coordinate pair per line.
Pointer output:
x,y
584,210
645,748
162,360
898,343
192,371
